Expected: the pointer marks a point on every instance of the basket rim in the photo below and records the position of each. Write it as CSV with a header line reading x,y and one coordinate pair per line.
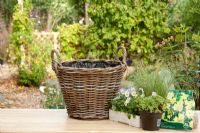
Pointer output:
x,y
93,60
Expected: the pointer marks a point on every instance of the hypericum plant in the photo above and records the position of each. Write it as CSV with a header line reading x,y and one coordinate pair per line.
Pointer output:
x,y
152,104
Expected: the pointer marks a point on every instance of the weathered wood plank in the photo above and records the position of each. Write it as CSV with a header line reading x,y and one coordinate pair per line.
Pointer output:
x,y
56,121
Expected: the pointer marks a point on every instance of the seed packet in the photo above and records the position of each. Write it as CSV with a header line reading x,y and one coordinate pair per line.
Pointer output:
x,y
180,111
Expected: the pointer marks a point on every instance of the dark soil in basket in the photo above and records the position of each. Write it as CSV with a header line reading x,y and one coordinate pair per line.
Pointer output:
x,y
90,64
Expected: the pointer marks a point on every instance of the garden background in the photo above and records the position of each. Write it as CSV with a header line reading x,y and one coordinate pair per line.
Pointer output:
x,y
156,33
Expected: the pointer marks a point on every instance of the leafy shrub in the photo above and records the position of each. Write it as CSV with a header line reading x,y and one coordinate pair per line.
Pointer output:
x,y
29,53
181,55
180,13
71,38
32,76
37,56
22,29
137,24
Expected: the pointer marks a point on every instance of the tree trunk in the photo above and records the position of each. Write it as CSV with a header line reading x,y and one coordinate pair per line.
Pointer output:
x,y
86,14
21,3
49,21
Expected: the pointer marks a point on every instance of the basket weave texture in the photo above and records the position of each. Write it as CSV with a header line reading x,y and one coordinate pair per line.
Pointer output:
x,y
88,89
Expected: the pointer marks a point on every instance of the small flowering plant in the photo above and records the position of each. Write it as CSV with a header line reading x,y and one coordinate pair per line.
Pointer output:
x,y
152,104
127,101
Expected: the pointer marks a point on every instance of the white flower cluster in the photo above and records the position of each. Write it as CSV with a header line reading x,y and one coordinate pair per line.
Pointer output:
x,y
131,92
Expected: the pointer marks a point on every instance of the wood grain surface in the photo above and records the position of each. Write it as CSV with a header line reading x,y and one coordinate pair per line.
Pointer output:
x,y
57,121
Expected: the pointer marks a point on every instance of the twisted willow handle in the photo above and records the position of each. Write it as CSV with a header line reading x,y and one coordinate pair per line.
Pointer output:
x,y
55,64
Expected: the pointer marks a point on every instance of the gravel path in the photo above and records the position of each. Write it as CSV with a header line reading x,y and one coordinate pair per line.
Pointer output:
x,y
14,96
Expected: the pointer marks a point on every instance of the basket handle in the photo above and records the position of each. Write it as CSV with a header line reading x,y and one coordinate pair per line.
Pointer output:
x,y
55,64
124,54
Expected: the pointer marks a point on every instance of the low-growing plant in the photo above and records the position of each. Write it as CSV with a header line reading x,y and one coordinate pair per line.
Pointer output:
x,y
152,104
32,76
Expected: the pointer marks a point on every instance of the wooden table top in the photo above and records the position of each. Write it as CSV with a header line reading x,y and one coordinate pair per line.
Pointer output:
x,y
56,121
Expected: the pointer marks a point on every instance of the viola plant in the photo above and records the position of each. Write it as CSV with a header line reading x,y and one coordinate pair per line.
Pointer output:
x,y
127,100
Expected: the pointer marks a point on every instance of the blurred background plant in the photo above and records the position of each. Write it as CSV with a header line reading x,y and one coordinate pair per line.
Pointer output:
x,y
34,68
54,98
137,24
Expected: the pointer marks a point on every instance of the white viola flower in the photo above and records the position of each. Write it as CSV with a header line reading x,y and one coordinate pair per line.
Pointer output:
x,y
134,93
127,101
127,93
132,89
122,91
154,94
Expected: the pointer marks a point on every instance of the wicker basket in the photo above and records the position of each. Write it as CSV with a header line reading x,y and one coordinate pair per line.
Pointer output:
x,y
87,91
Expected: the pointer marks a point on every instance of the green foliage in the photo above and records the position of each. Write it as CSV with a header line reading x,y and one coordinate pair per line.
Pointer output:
x,y
31,76
153,79
22,28
54,98
7,8
33,70
137,24
61,11
71,38
186,12
43,5
30,54
181,55
153,104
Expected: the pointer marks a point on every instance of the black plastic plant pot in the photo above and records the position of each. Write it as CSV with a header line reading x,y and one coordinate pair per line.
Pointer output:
x,y
150,121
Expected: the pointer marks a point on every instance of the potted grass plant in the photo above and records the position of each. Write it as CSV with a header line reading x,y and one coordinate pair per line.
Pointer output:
x,y
153,79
